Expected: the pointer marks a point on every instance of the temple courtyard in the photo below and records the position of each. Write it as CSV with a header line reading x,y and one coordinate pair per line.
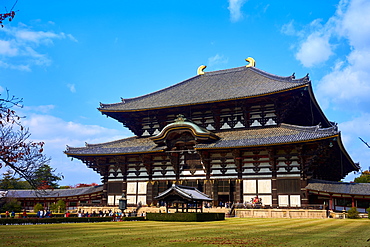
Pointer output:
x,y
230,232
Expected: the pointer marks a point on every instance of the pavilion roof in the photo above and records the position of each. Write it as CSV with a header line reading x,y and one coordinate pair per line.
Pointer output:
x,y
185,192
222,85
54,193
283,134
339,187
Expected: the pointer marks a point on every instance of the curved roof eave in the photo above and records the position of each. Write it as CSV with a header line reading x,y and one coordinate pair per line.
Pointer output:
x,y
344,151
314,101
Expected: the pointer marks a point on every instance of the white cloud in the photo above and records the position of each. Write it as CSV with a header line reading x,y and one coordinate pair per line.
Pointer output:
x,y
57,133
289,29
217,59
41,108
36,37
235,9
7,49
19,47
20,67
347,85
315,49
72,87
351,131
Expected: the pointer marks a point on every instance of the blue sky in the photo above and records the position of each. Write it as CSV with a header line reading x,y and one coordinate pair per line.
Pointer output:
x,y
65,57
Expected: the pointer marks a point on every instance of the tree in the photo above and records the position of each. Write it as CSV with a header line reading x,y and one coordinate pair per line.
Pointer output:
x,y
44,178
353,213
9,182
81,185
9,15
19,154
37,207
364,178
59,207
12,205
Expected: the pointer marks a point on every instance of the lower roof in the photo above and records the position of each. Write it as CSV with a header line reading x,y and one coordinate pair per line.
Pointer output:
x,y
277,135
54,193
339,187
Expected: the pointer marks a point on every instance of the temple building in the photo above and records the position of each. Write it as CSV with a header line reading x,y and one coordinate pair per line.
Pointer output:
x,y
233,134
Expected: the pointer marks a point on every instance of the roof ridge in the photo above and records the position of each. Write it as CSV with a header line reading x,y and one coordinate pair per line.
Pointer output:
x,y
290,78
310,128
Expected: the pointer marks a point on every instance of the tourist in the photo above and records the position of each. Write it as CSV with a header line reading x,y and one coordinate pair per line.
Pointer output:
x,y
24,214
7,214
12,214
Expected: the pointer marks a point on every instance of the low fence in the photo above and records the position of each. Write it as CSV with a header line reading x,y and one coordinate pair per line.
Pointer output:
x,y
281,213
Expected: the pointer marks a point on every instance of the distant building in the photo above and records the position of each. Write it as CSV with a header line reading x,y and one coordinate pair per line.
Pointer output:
x,y
233,134
76,197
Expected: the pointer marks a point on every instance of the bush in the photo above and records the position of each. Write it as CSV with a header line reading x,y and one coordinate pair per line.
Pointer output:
x,y
38,207
185,217
353,213
59,207
20,221
12,205
368,212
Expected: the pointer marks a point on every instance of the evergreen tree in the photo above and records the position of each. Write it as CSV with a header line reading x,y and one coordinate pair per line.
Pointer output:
x,y
9,182
45,178
364,178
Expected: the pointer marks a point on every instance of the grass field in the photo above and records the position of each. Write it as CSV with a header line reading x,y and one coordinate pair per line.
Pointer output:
x,y
231,232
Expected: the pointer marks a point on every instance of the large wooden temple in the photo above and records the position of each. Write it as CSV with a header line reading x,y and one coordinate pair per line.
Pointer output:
x,y
233,134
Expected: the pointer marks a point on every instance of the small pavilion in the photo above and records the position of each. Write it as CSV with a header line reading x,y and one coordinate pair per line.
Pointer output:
x,y
183,197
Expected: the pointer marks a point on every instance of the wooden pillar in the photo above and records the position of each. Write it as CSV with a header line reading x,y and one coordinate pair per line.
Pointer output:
x,y
239,190
215,191
353,201
331,202
208,187
273,164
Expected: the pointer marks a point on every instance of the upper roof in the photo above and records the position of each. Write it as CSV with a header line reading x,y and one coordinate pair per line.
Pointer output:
x,y
283,134
185,192
339,187
222,85
54,193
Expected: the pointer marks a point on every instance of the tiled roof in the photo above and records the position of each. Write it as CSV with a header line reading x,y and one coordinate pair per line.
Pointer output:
x,y
339,187
54,193
283,134
269,136
186,192
123,146
213,86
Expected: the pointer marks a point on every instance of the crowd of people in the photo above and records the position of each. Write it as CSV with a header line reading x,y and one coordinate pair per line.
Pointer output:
x,y
116,215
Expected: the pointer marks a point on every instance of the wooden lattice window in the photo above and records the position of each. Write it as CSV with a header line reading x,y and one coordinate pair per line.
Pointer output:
x,y
115,188
288,186
223,186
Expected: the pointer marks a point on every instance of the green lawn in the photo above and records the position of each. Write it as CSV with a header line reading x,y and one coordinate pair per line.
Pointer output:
x,y
231,232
